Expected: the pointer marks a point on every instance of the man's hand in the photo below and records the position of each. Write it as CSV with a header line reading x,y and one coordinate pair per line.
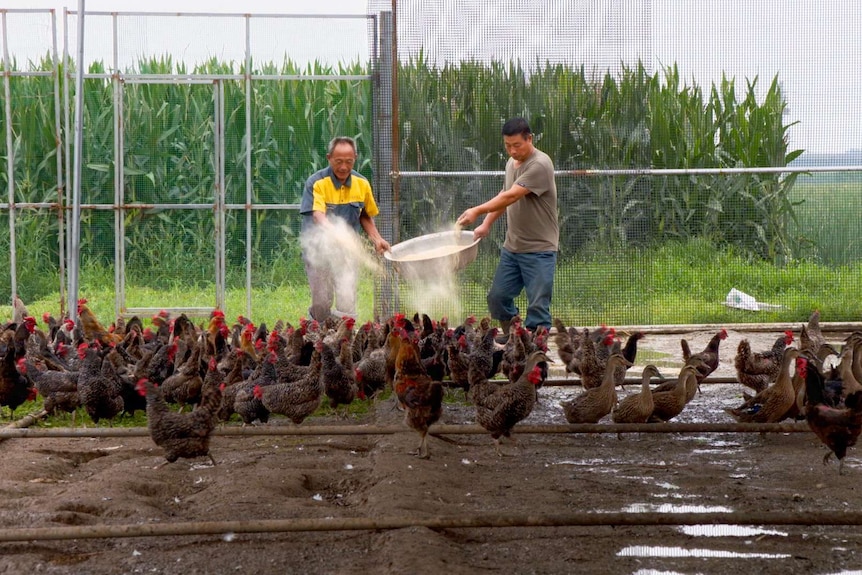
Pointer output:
x,y
381,246
468,217
482,230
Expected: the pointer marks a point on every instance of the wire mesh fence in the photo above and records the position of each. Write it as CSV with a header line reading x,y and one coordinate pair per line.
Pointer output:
x,y
686,166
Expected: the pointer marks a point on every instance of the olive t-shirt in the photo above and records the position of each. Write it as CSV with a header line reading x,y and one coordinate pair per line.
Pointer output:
x,y
532,220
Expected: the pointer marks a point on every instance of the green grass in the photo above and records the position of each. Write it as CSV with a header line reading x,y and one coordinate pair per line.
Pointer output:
x,y
677,283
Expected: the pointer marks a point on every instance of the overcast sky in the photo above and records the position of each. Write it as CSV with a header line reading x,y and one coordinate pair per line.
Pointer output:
x,y
814,45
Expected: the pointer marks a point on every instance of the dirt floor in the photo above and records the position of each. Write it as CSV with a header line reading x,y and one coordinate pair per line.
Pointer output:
x,y
69,482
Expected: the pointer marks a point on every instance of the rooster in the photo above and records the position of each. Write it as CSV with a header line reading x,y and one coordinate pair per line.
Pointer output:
x,y
500,407
92,328
838,427
184,434
758,370
421,396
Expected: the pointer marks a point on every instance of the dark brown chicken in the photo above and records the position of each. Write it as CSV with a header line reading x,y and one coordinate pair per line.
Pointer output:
x,y
499,409
837,427
185,385
706,361
757,370
339,379
59,389
297,399
708,357
184,434
458,352
421,396
249,393
99,385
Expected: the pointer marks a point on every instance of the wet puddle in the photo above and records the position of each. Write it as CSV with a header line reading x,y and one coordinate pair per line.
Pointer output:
x,y
679,552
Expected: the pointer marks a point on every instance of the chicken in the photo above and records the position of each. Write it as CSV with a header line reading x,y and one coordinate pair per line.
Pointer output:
x,y
670,403
185,385
339,379
482,356
59,389
706,360
157,364
99,385
297,399
591,366
184,434
837,428
392,344
459,351
370,370
15,388
637,407
708,357
811,336
15,337
92,328
773,403
421,396
514,354
759,370
596,402
248,401
500,408
19,310
567,342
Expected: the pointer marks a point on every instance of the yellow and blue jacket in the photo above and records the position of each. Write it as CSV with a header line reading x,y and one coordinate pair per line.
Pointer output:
x,y
324,193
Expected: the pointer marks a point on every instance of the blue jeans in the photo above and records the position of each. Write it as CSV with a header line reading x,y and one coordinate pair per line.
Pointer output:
x,y
533,272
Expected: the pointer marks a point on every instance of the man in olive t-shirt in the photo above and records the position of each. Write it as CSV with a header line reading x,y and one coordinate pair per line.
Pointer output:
x,y
528,258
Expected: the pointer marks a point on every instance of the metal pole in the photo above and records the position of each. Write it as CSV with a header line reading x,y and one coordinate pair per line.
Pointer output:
x,y
58,133
248,182
220,201
67,189
386,154
496,520
10,161
75,251
119,189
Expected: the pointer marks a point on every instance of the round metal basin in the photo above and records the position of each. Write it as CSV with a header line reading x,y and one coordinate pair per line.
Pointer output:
x,y
434,255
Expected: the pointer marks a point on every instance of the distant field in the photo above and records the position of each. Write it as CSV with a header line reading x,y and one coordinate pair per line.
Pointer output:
x,y
829,225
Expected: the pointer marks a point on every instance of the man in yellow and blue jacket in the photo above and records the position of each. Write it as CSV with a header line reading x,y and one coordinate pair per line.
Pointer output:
x,y
337,191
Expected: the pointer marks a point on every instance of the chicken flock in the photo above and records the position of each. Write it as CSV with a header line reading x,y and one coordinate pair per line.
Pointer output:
x,y
190,378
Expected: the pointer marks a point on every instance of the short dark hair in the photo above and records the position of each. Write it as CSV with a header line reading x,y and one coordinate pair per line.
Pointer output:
x,y
340,140
517,126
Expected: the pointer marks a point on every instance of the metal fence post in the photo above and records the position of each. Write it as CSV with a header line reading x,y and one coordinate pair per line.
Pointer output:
x,y
385,159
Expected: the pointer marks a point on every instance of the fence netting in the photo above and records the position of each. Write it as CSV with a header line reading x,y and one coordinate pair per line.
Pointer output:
x,y
700,147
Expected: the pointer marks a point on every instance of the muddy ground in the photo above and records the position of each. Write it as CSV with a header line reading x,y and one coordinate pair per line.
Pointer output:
x,y
69,482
